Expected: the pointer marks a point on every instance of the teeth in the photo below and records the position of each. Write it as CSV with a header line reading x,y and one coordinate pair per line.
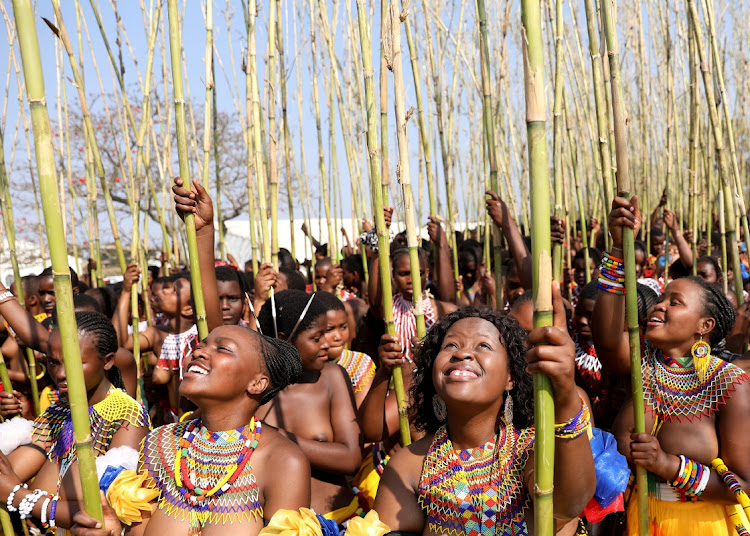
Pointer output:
x,y
463,373
197,369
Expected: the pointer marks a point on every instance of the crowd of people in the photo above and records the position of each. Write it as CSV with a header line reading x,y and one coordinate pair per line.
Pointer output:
x,y
284,418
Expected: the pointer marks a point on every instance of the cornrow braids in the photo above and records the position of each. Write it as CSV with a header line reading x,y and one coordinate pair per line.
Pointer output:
x,y
717,306
104,337
283,363
647,298
513,339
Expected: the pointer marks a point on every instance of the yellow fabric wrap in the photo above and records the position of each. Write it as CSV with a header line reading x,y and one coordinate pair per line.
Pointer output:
x,y
293,523
345,512
671,518
128,496
370,525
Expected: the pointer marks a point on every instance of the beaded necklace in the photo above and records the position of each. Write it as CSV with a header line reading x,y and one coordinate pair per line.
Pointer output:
x,y
480,491
358,366
406,322
588,365
204,477
215,440
54,427
679,390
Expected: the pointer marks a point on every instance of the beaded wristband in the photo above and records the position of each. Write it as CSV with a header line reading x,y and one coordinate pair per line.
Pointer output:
x,y
692,478
45,505
52,509
611,274
28,503
575,426
12,496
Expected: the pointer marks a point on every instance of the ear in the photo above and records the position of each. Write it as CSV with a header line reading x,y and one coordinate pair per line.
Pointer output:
x,y
283,336
109,361
32,300
187,311
510,384
258,385
707,326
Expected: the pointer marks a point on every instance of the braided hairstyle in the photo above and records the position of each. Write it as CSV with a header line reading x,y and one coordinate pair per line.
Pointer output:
x,y
513,339
283,363
289,307
717,306
104,338
647,298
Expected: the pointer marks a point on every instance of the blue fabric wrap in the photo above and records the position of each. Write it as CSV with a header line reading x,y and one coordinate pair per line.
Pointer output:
x,y
612,472
328,527
110,473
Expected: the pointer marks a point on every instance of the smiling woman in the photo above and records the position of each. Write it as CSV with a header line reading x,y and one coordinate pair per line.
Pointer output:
x,y
695,402
472,395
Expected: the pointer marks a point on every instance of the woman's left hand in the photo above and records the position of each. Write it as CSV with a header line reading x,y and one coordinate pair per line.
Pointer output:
x,y
646,452
552,352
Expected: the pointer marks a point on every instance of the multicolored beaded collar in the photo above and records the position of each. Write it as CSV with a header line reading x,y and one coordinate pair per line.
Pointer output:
x,y
675,390
480,491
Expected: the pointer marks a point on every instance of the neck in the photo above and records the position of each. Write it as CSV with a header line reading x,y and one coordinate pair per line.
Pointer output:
x,y
99,393
469,428
309,376
677,350
219,417
180,324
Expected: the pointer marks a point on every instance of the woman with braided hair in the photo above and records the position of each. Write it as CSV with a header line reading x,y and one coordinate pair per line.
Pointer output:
x,y
696,403
46,452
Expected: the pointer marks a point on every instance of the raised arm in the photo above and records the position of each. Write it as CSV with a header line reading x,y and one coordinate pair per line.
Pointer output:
x,y
378,413
608,321
498,211
28,330
374,288
553,354
446,284
686,252
198,202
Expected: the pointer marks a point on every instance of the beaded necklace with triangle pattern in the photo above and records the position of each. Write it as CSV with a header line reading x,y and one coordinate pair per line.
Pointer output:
x,y
476,492
675,391
204,477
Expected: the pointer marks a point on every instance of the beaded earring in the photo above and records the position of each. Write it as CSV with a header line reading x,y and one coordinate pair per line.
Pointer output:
x,y
700,349
508,409
438,407
700,352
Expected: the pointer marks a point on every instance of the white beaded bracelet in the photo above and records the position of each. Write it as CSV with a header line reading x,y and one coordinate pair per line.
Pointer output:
x,y
704,480
12,496
28,503
45,504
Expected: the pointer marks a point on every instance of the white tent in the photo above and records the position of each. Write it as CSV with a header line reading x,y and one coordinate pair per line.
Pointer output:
x,y
237,235
29,261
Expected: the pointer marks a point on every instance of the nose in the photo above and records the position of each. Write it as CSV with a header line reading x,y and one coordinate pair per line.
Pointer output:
x,y
60,375
224,303
462,354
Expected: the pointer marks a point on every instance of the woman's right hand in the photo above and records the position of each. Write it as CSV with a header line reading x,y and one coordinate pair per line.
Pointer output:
x,y
265,279
131,275
195,201
10,404
390,353
624,213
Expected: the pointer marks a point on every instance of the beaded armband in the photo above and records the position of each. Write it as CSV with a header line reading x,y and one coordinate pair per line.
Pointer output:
x,y
575,426
692,478
611,274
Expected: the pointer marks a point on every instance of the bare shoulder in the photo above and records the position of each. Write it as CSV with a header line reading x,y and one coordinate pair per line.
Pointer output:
x,y
408,461
335,375
280,453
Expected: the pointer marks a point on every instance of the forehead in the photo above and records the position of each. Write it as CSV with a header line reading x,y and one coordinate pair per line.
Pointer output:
x,y
473,326
228,287
335,315
682,286
240,336
46,281
585,306
706,266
